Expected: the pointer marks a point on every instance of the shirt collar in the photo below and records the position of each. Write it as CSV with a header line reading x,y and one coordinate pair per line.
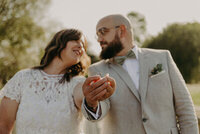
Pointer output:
x,y
135,50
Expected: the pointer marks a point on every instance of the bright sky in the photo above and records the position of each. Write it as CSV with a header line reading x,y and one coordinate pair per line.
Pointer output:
x,y
84,14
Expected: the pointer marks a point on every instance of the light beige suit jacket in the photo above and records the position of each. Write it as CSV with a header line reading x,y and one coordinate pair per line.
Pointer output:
x,y
160,105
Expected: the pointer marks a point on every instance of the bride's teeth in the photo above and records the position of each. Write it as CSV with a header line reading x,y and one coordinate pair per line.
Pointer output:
x,y
78,52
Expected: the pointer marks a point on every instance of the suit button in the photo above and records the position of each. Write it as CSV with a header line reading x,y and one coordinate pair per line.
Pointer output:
x,y
144,119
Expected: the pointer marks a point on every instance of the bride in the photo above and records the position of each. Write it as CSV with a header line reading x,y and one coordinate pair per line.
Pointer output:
x,y
47,99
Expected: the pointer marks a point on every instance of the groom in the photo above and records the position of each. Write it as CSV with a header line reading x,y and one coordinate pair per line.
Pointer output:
x,y
151,96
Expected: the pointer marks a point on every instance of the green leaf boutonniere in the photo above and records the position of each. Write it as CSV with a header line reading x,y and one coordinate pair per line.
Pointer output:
x,y
156,69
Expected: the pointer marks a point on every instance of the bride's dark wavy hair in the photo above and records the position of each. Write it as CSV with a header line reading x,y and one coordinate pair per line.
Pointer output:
x,y
55,47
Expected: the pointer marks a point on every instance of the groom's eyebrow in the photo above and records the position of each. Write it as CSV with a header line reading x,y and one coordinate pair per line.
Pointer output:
x,y
100,30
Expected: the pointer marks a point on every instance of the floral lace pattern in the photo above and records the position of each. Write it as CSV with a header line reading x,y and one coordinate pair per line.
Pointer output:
x,y
45,105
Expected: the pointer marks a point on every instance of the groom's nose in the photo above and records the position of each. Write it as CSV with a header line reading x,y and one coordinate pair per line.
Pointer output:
x,y
100,39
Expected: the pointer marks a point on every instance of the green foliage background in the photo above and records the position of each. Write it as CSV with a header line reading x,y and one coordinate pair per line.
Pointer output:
x,y
183,41
20,35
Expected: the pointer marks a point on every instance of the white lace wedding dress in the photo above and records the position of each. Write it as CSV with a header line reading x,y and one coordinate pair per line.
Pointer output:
x,y
45,106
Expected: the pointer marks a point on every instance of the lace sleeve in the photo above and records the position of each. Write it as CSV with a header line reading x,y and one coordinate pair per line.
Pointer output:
x,y
12,89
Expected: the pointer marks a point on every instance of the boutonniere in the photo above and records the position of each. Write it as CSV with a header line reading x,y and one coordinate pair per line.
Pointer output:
x,y
156,69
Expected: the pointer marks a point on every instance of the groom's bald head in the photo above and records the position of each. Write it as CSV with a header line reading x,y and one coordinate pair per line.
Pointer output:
x,y
114,33
114,20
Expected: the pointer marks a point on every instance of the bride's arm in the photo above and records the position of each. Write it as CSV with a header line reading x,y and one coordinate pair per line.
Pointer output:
x,y
8,110
78,95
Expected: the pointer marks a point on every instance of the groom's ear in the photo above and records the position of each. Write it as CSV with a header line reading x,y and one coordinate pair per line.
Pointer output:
x,y
123,30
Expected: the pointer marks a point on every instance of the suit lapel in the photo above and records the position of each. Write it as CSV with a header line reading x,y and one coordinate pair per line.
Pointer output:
x,y
126,78
144,72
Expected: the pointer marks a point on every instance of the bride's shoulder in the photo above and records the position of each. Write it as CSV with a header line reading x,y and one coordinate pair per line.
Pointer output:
x,y
22,73
78,79
26,72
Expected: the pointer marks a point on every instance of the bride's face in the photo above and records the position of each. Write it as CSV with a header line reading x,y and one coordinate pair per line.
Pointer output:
x,y
72,53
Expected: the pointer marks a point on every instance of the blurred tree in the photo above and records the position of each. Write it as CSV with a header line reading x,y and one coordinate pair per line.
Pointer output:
x,y
90,52
20,35
138,23
183,41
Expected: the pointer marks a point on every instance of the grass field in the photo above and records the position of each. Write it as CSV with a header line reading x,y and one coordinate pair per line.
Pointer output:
x,y
195,93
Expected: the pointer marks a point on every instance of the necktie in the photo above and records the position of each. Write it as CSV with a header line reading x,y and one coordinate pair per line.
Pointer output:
x,y
120,59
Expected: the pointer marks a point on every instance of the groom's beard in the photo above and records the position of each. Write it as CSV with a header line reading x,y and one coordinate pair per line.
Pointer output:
x,y
112,49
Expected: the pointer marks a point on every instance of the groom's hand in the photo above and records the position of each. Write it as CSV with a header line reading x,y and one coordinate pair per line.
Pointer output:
x,y
110,88
94,88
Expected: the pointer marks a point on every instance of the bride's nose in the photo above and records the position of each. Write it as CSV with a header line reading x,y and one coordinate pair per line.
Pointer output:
x,y
81,48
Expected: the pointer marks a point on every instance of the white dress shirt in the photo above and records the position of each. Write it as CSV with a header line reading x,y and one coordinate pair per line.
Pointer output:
x,y
132,67
95,115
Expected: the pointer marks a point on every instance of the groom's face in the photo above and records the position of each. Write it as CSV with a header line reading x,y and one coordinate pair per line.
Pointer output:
x,y
108,37
111,49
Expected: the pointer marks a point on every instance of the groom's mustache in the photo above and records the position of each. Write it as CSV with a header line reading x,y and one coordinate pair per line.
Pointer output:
x,y
103,43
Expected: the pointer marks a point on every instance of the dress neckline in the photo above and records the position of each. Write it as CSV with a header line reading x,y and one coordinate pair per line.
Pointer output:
x,y
51,75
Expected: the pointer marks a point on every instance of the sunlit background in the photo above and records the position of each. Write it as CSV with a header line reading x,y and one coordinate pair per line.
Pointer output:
x,y
84,14
26,26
